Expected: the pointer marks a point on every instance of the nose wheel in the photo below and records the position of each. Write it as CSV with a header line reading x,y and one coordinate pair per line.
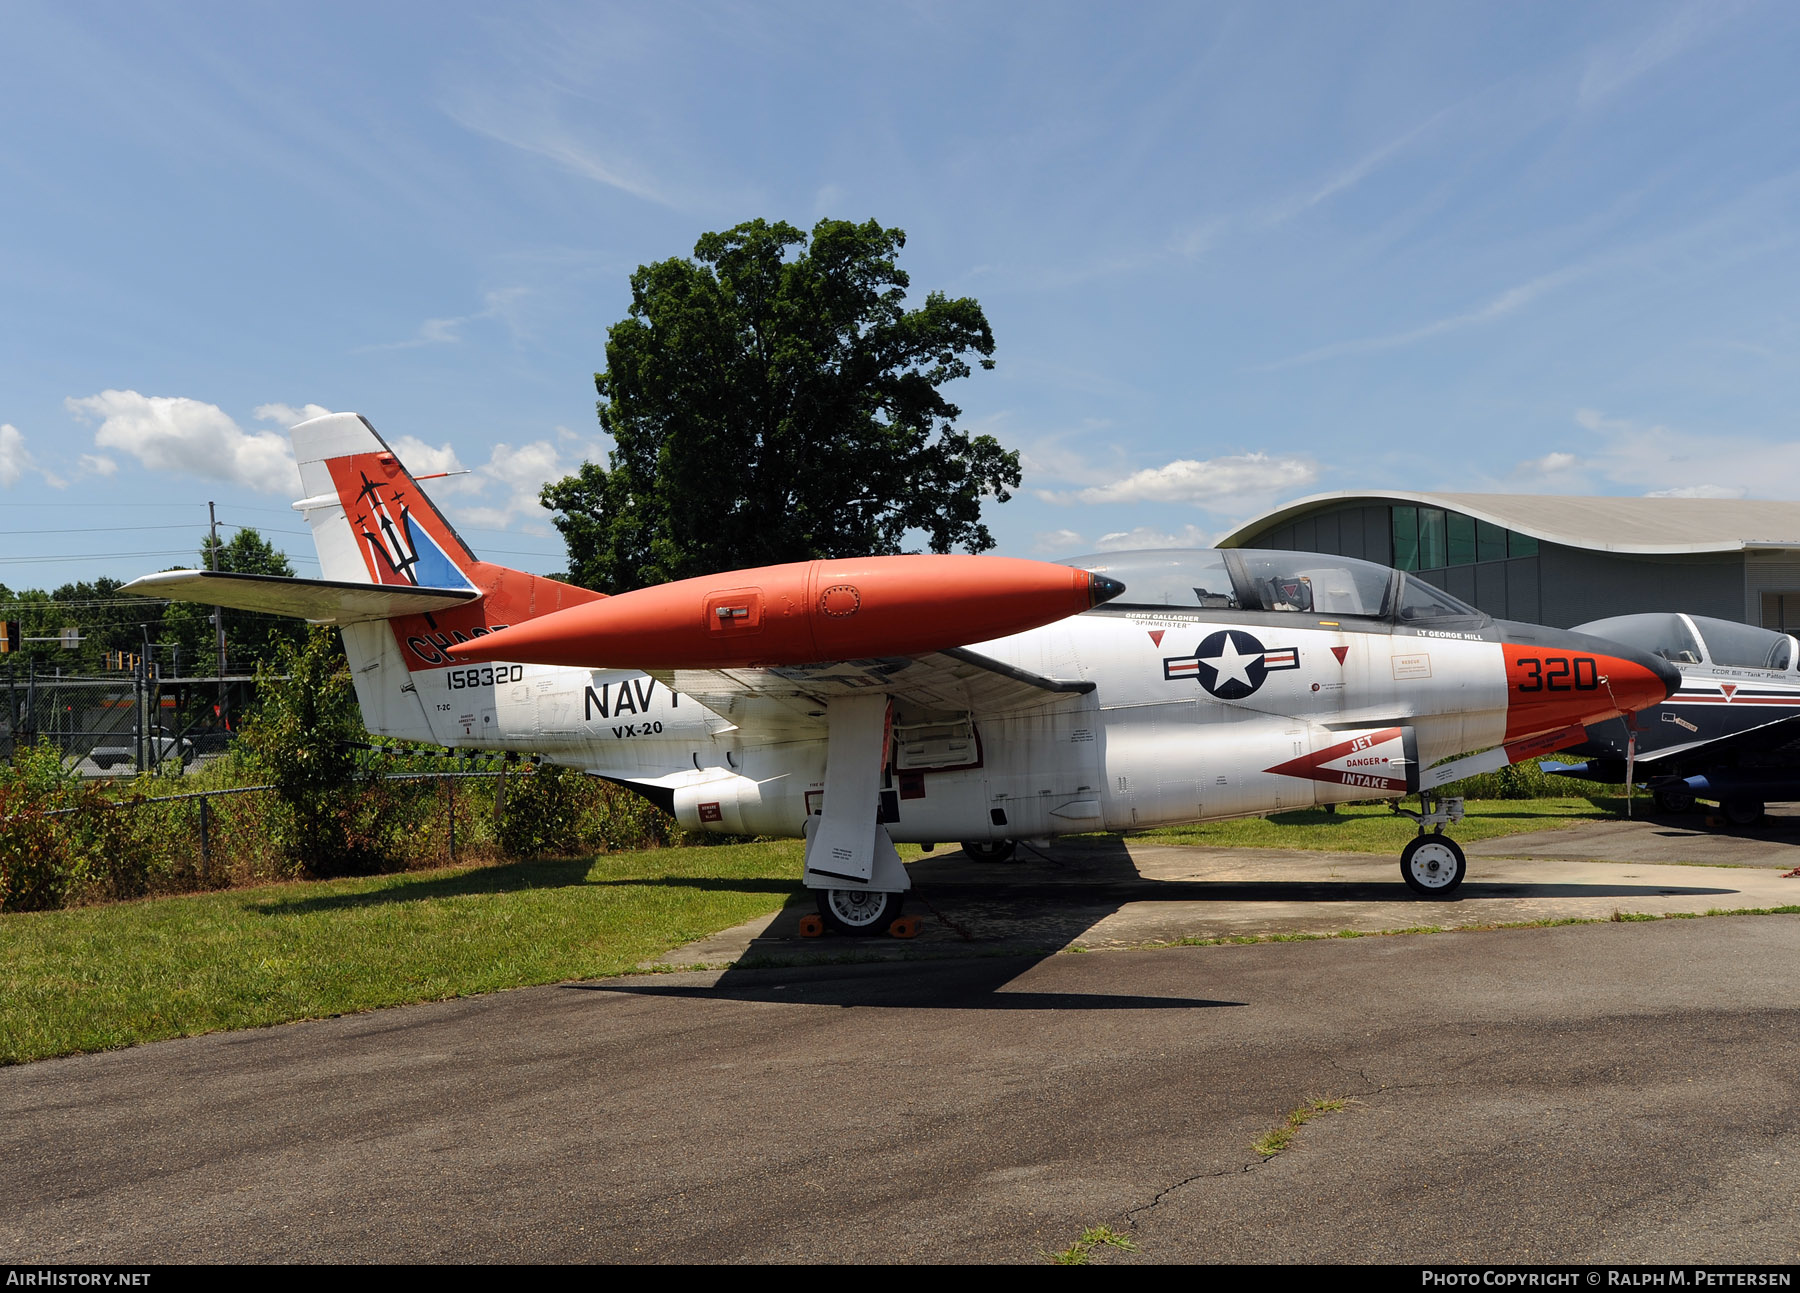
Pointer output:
x,y
1433,866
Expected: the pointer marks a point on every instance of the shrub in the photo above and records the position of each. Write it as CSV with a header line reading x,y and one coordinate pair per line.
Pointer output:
x,y
303,739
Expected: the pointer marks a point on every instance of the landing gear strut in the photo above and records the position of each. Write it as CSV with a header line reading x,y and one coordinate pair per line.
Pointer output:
x,y
1433,864
989,850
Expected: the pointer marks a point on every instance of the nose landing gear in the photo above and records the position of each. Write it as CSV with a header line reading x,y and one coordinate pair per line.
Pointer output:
x,y
1433,864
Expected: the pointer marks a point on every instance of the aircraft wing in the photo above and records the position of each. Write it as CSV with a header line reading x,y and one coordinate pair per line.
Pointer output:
x,y
323,601
789,702
1771,735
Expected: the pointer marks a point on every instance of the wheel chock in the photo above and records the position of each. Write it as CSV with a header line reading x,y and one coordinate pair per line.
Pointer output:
x,y
906,927
812,926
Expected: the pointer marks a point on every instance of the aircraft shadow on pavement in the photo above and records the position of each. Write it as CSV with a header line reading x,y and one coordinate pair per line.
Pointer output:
x,y
974,984
1096,871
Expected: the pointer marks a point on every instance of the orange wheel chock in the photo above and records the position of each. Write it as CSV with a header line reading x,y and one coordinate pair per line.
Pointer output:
x,y
812,926
906,927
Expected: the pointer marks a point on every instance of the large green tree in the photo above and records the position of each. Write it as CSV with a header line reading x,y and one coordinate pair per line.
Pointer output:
x,y
770,405
250,638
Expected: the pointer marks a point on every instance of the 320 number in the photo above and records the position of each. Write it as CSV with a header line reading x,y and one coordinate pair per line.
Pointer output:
x,y
1559,673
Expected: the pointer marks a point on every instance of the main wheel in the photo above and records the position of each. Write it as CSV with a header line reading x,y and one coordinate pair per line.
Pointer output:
x,y
1674,801
989,850
1433,866
859,911
1742,812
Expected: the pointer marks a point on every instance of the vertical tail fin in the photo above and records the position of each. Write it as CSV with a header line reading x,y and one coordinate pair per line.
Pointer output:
x,y
372,522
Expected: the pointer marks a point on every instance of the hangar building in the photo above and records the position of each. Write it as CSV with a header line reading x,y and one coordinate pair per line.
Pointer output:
x,y
1559,560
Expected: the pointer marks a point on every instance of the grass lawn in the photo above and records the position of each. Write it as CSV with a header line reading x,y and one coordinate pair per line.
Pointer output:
x,y
1374,828
99,977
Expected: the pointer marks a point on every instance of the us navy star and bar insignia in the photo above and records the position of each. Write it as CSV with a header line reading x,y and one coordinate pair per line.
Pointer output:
x,y
1231,663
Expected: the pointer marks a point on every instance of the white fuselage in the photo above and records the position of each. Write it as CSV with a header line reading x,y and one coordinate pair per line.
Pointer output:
x,y
1148,745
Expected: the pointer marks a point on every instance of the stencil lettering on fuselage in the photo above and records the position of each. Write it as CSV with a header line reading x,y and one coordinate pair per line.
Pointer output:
x,y
1231,664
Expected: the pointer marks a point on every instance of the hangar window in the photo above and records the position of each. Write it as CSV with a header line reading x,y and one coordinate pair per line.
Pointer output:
x,y
1461,531
1431,538
1781,612
1406,538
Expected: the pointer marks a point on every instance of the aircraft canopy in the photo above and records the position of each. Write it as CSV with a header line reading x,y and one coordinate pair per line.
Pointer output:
x,y
1698,639
1310,583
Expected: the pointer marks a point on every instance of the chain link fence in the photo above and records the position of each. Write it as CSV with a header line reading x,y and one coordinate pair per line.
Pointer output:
x,y
79,845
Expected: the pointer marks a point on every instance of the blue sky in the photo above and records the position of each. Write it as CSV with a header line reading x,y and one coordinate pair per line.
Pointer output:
x,y
1232,254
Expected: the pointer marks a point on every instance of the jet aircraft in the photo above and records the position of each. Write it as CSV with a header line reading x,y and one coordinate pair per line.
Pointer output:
x,y
983,700
1727,733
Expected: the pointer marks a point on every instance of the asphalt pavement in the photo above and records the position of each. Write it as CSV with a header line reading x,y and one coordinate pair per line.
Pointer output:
x,y
1620,1091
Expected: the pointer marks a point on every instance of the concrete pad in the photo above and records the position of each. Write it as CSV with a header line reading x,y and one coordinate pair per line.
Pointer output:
x,y
1773,843
1115,893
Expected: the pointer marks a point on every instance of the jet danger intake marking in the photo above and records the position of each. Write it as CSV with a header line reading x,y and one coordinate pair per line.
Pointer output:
x,y
1377,760
1231,664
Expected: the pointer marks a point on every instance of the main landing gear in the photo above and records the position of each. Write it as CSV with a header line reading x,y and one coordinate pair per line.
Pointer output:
x,y
1433,864
1673,801
989,850
859,911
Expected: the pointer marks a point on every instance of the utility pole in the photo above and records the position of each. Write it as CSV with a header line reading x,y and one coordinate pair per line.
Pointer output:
x,y
212,563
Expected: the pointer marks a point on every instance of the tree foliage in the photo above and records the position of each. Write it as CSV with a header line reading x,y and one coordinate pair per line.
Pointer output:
x,y
769,407
303,738
181,633
251,639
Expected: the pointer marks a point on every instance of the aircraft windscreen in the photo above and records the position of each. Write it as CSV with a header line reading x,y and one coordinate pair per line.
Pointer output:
x,y
1664,633
1317,584
1741,646
1420,601
1167,577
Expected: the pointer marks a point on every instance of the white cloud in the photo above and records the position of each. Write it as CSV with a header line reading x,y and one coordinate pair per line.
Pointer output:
x,y
286,416
1146,536
1552,468
535,128
1513,298
422,459
1611,70
95,464
1700,491
1670,462
1058,541
16,460
1203,483
176,434
501,304
516,474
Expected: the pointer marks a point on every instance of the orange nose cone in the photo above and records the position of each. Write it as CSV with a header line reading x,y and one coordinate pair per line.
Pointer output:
x,y
1558,680
802,614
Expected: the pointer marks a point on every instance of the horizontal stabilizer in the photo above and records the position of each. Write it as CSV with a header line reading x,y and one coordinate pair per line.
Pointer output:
x,y
323,601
